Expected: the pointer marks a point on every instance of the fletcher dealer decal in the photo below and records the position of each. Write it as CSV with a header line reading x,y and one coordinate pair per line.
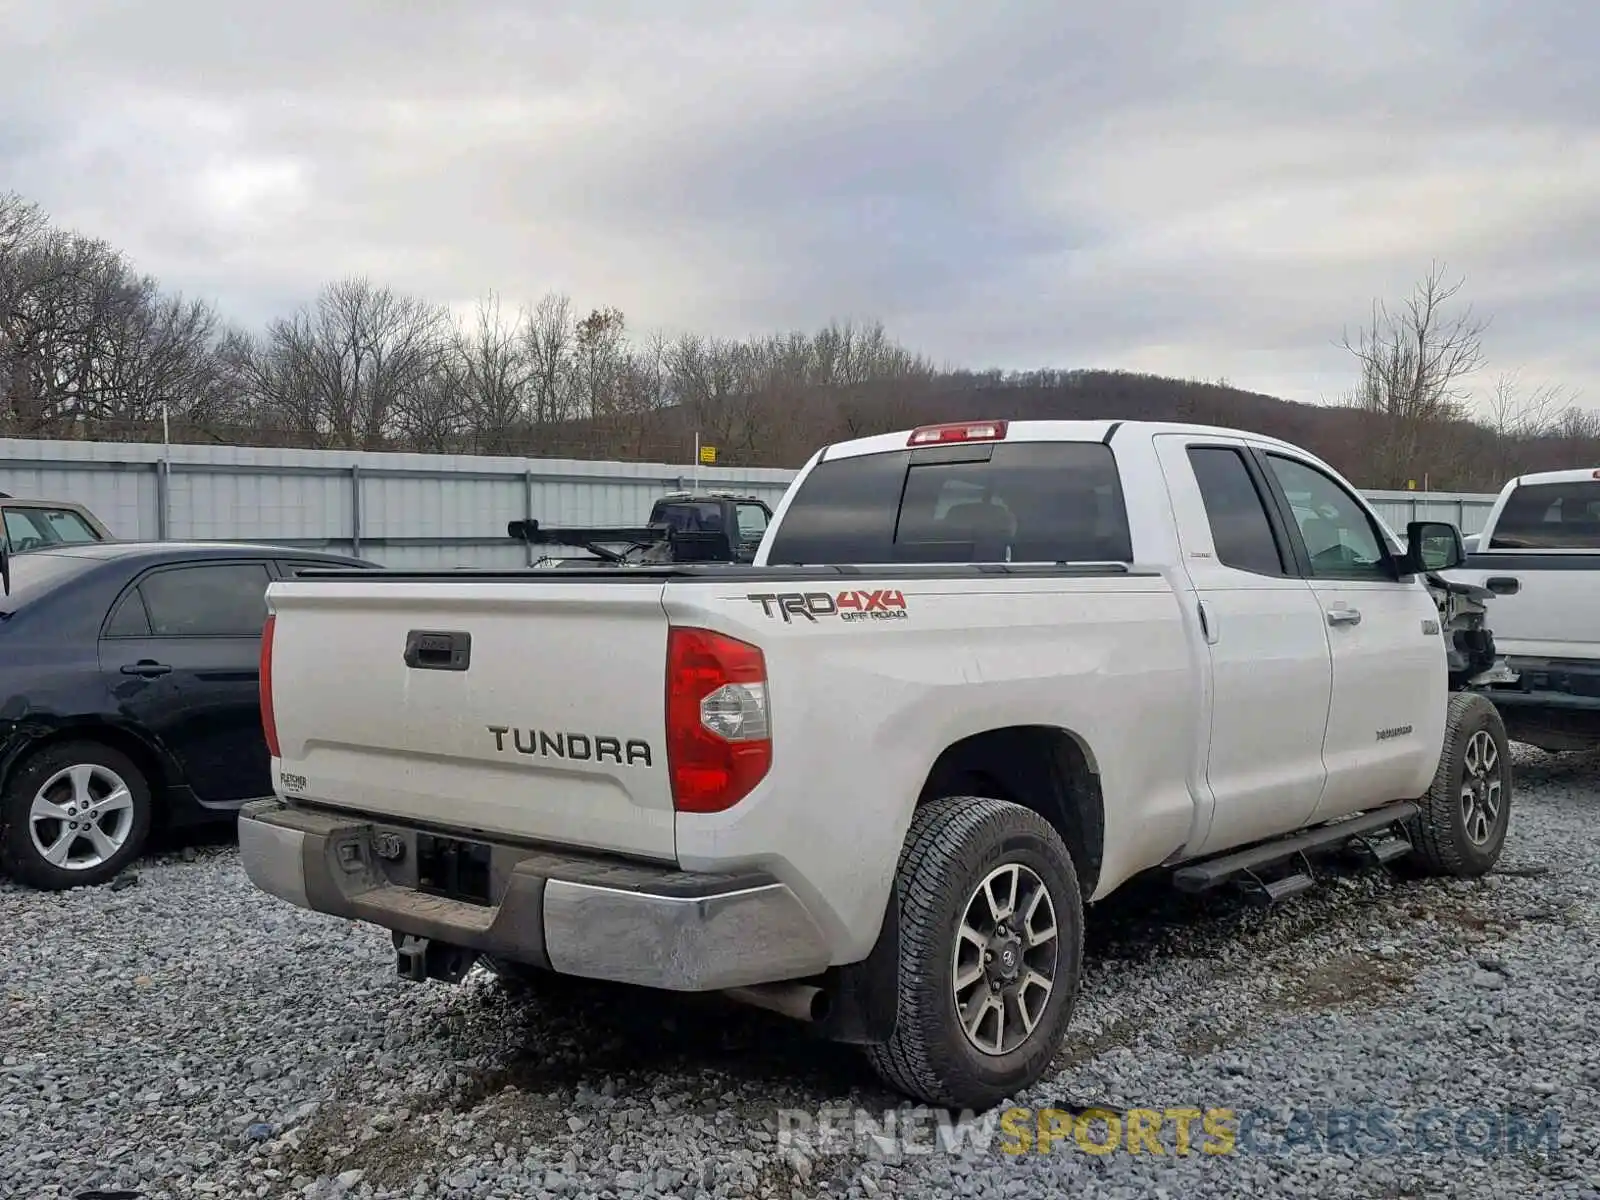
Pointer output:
x,y
884,605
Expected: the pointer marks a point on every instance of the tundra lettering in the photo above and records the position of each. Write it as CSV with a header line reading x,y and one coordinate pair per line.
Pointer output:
x,y
579,747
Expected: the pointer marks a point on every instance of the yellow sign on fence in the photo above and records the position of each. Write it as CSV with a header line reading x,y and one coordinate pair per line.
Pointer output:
x,y
708,454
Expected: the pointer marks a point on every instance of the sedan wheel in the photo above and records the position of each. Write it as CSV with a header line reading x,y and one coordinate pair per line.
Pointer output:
x,y
81,817
73,815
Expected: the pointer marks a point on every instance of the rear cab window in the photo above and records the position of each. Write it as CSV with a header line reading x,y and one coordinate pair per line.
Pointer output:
x,y
1550,516
1023,502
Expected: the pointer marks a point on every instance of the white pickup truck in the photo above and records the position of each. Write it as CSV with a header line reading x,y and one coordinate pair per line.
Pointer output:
x,y
1539,553
978,676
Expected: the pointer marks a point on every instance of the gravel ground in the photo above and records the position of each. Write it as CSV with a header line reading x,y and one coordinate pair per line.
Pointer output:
x,y
186,1037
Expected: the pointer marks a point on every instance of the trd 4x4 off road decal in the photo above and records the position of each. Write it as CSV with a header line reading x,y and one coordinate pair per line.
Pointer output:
x,y
886,605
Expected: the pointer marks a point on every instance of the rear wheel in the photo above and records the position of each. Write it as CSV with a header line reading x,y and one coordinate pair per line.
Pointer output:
x,y
991,942
73,815
1462,827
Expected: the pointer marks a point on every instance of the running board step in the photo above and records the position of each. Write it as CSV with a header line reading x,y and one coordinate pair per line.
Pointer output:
x,y
1381,852
1270,891
1203,876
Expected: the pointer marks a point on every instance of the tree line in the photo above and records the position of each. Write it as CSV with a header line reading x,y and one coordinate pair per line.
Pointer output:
x,y
91,348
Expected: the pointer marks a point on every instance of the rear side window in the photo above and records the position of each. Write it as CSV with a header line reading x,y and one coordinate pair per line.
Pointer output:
x,y
1235,511
221,600
1028,502
752,520
1550,516
129,618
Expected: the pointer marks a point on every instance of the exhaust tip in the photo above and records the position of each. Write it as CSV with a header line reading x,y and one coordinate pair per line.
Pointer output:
x,y
821,1006
799,1001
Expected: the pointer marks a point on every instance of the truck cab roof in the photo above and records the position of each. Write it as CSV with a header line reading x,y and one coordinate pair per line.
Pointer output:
x,y
1034,431
1572,475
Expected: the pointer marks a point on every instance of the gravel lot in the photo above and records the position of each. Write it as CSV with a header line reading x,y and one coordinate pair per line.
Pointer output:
x,y
186,1037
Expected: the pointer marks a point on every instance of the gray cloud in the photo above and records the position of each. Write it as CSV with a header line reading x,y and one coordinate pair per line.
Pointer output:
x,y
1207,189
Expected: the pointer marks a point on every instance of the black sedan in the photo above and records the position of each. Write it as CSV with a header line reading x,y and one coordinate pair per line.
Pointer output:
x,y
129,697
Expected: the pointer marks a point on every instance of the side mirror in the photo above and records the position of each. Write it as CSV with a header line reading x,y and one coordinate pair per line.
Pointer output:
x,y
5,561
1432,546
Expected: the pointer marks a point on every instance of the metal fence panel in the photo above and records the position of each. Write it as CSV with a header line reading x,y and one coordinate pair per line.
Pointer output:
x,y
403,510
1467,511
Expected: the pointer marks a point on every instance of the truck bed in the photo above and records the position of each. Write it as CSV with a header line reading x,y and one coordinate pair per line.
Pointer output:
x,y
536,710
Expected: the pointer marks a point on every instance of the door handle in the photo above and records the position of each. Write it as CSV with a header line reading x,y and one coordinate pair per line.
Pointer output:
x,y
147,669
1503,585
1344,616
1208,624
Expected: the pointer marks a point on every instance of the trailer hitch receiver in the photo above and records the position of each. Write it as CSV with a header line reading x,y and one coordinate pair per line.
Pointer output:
x,y
420,959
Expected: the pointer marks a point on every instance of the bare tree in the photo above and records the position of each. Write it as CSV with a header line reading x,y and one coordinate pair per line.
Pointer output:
x,y
1518,416
343,370
548,344
1413,366
494,373
87,347
599,358
705,375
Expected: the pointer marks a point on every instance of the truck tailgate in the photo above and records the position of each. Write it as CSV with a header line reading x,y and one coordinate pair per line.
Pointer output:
x,y
1551,614
532,711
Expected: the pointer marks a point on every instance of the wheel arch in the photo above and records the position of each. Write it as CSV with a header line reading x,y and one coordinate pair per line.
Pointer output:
x,y
150,761
1046,768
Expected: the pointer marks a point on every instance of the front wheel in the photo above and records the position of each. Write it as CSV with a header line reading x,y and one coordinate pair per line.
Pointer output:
x,y
1462,827
73,815
991,943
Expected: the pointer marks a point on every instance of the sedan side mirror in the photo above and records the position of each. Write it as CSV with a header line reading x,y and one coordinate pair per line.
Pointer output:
x,y
1432,546
5,561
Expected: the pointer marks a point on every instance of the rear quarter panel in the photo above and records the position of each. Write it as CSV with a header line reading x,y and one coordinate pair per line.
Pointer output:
x,y
862,709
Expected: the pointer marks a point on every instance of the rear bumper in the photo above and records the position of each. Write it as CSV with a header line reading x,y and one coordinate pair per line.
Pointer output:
x,y
1552,682
572,913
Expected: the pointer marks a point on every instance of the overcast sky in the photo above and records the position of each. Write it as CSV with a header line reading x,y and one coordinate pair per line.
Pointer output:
x,y
1196,188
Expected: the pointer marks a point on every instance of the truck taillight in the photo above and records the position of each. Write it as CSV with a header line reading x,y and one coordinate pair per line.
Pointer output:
x,y
966,431
269,720
719,735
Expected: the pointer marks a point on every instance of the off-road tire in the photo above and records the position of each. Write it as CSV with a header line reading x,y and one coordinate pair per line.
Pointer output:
x,y
1441,844
21,859
952,845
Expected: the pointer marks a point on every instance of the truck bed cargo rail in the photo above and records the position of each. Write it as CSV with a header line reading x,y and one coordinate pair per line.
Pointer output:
x,y
732,572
